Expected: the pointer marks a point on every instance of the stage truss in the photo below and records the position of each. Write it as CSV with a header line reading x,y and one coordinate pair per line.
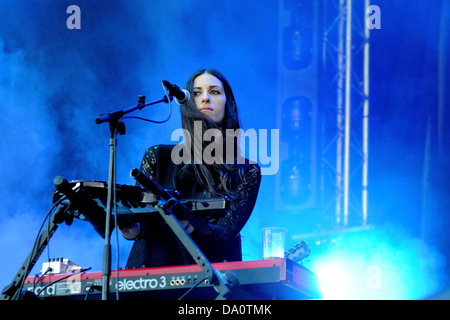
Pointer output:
x,y
345,146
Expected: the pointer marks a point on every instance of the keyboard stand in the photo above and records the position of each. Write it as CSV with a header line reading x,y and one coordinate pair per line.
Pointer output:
x,y
167,207
14,291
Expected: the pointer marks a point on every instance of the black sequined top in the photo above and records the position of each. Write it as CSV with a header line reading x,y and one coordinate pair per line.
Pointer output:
x,y
159,245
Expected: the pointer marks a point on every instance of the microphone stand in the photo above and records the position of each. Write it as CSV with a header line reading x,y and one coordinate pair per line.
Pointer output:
x,y
116,115
115,126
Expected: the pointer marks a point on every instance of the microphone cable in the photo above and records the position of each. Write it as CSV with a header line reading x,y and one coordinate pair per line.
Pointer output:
x,y
62,278
34,249
168,97
192,288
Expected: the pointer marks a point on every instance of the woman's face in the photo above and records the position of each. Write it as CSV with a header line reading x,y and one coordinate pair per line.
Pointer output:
x,y
209,96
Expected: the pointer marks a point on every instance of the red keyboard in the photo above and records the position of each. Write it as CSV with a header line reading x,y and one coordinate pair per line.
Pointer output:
x,y
279,279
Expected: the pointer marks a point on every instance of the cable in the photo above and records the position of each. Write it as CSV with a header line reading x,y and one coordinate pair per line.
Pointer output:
x,y
41,276
62,278
156,121
115,225
192,288
90,289
33,251
148,120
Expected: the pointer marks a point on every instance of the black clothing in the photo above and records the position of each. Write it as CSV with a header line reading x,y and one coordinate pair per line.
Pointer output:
x,y
159,245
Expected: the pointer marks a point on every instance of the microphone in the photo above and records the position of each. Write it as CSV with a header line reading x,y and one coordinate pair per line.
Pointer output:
x,y
181,96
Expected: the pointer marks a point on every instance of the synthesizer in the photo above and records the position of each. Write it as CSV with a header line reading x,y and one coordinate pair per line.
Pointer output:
x,y
275,279
133,201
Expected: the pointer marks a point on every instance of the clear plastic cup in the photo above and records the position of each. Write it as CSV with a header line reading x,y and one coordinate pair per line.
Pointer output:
x,y
273,242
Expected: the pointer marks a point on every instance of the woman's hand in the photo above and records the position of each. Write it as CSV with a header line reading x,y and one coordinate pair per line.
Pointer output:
x,y
130,231
187,226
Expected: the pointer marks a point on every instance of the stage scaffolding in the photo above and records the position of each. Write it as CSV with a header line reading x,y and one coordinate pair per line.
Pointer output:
x,y
345,145
323,113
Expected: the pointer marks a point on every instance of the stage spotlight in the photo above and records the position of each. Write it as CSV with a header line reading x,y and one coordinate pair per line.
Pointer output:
x,y
297,47
334,283
295,180
297,37
297,132
297,120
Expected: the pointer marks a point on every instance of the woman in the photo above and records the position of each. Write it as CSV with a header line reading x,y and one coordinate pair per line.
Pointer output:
x,y
212,105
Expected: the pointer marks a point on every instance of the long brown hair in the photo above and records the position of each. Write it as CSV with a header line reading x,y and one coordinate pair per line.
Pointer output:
x,y
190,114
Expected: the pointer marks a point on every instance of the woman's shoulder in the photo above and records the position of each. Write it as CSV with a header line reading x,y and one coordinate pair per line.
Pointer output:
x,y
156,155
249,170
159,149
249,165
253,169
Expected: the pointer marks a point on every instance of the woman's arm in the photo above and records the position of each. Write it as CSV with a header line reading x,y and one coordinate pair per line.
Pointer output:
x,y
132,230
242,204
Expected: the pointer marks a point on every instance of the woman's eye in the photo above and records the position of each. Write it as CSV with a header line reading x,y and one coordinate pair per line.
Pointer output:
x,y
196,93
215,92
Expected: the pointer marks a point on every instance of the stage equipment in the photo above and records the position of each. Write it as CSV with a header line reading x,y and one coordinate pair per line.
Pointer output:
x,y
136,203
267,279
345,123
14,291
280,279
298,36
116,126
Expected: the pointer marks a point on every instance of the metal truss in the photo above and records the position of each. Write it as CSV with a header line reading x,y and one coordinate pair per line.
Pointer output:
x,y
345,125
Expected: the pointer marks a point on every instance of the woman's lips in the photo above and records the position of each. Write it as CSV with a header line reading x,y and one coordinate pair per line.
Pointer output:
x,y
206,109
